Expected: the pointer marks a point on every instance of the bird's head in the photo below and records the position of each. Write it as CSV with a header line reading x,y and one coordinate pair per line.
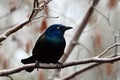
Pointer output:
x,y
57,30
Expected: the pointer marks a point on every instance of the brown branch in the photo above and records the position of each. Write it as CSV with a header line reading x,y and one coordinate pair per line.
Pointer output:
x,y
79,31
93,60
36,9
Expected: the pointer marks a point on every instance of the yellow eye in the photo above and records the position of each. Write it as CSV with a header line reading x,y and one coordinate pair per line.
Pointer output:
x,y
58,27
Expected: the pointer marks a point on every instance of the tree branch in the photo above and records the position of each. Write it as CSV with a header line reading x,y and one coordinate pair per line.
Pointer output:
x,y
36,9
91,65
110,47
94,60
79,31
72,75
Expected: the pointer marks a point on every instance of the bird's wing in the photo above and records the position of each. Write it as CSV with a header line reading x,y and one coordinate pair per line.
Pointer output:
x,y
38,45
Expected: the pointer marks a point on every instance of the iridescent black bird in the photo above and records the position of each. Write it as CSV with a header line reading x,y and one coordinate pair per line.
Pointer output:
x,y
49,47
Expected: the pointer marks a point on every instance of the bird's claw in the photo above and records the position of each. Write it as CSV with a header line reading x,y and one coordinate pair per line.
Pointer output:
x,y
37,65
59,65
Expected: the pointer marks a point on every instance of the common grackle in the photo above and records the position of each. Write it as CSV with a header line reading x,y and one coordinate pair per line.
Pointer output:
x,y
49,47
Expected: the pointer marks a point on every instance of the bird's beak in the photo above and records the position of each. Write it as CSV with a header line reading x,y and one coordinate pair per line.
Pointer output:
x,y
66,28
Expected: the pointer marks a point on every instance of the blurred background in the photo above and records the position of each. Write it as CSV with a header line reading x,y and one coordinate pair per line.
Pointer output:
x,y
98,34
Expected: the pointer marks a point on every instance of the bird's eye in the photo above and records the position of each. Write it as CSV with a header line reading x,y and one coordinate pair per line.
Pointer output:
x,y
58,27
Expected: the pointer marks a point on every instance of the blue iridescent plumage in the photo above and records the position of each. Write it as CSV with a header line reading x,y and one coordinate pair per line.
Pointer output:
x,y
49,47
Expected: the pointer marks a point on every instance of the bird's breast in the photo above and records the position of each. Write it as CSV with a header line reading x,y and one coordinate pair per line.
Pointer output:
x,y
56,42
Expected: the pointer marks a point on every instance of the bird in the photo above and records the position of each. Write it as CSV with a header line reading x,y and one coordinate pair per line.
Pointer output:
x,y
49,47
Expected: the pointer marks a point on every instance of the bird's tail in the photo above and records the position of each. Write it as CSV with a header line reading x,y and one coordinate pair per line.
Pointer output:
x,y
27,61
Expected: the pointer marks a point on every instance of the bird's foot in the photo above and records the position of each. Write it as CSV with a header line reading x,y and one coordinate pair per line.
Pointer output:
x,y
59,65
37,65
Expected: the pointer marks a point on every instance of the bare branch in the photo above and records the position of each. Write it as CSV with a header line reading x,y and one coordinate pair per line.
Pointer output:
x,y
86,68
95,61
79,31
112,46
115,41
10,77
107,18
72,75
45,17
12,30
38,8
35,11
51,66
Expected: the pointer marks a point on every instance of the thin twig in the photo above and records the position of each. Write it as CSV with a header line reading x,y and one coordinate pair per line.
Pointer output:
x,y
72,75
87,49
82,45
10,77
112,46
45,17
107,18
115,41
37,9
34,9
